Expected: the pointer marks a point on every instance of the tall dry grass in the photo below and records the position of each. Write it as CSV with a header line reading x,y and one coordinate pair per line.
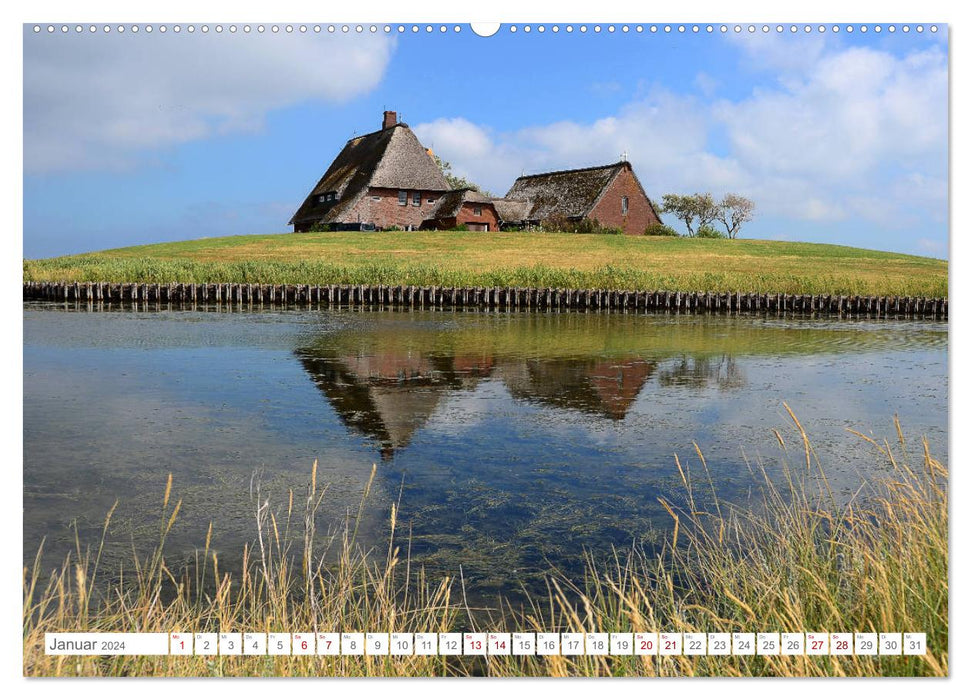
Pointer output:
x,y
795,558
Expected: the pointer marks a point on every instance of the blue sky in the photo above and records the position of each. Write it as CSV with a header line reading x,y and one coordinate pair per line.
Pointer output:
x,y
139,138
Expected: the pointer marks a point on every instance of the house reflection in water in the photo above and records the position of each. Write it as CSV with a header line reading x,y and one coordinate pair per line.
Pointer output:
x,y
389,395
721,372
599,386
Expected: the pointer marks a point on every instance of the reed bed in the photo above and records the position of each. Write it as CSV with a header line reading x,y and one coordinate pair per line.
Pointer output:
x,y
796,557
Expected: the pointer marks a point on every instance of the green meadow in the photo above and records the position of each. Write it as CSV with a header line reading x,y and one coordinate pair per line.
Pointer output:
x,y
558,260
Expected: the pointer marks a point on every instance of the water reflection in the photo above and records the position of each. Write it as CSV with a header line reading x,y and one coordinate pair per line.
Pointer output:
x,y
388,395
386,379
724,373
511,442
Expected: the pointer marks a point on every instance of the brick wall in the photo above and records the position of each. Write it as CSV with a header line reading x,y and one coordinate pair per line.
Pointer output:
x,y
380,207
467,216
608,210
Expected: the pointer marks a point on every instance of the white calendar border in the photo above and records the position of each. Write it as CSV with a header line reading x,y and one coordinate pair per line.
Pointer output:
x,y
510,10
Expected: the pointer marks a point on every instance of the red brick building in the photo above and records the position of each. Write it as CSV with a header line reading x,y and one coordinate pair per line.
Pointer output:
x,y
465,207
610,194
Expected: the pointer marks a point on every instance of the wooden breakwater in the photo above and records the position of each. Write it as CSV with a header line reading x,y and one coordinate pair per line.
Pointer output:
x,y
501,298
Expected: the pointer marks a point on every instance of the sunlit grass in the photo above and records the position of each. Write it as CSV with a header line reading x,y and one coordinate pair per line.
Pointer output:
x,y
794,558
510,259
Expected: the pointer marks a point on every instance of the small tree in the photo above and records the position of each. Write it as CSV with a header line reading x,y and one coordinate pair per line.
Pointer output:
x,y
683,208
688,207
733,211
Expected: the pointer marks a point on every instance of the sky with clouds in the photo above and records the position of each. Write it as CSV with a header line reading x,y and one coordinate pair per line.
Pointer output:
x,y
138,138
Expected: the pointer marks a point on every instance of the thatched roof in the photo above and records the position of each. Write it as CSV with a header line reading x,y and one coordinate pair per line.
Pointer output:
x,y
569,193
450,203
391,158
511,209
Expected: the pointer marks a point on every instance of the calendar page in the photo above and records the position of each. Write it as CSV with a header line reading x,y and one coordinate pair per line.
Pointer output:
x,y
514,349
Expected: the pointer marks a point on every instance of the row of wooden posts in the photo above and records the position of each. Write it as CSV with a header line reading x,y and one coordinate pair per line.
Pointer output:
x,y
518,298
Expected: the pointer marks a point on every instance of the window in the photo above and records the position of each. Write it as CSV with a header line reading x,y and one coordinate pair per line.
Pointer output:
x,y
624,205
431,201
477,211
402,197
416,199
375,198
322,198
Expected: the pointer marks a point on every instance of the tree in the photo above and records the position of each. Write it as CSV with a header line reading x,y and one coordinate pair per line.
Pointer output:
x,y
705,209
454,181
683,208
733,211
688,207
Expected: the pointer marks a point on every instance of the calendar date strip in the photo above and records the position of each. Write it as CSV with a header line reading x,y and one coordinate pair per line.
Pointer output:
x,y
486,644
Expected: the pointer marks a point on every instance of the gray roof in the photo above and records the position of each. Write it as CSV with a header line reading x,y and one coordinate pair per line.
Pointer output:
x,y
570,193
391,158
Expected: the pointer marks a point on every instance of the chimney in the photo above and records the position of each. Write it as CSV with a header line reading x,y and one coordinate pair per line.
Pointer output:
x,y
390,119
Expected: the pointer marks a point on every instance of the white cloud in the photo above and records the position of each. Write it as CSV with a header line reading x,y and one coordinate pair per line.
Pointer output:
x,y
102,101
706,84
839,133
852,112
663,132
785,56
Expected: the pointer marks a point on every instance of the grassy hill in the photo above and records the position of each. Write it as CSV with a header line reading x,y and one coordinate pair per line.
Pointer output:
x,y
514,259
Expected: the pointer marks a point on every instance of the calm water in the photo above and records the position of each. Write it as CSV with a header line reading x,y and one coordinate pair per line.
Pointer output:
x,y
512,441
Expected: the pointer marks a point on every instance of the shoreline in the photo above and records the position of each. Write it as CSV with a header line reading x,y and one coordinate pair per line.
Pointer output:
x,y
488,298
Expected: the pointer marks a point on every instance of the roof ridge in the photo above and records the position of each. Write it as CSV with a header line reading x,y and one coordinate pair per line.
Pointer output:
x,y
373,133
574,170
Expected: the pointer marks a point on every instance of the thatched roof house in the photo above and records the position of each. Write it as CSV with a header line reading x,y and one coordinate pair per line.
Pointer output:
x,y
465,207
611,194
388,180
383,179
